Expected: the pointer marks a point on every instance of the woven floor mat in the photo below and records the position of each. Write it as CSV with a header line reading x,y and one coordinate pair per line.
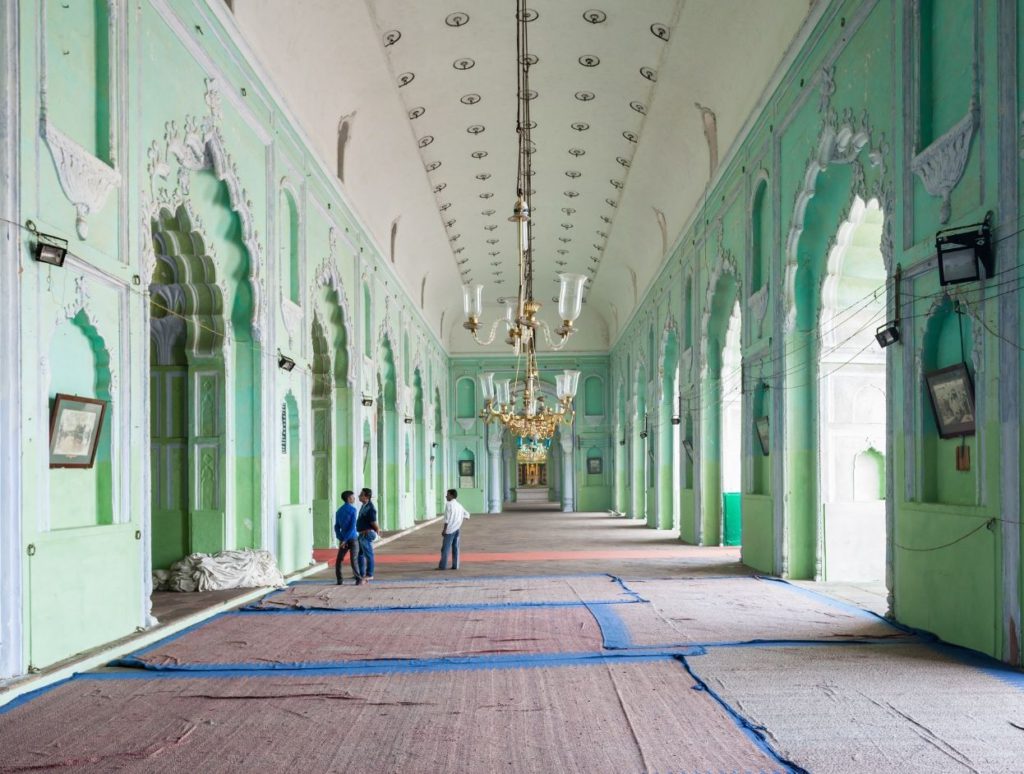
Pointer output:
x,y
264,640
872,708
622,717
449,593
726,610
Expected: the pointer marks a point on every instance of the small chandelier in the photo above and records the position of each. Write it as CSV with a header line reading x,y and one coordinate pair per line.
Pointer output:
x,y
531,419
533,452
520,318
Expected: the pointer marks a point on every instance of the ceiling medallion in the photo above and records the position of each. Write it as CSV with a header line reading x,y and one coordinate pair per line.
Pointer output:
x,y
475,129
465,63
530,94
572,173
391,37
606,219
597,247
416,112
577,152
486,195
494,253
490,227
602,234
449,223
425,141
568,210
495,263
565,240
487,213
457,19
493,241
611,202
631,136
433,165
650,74
459,250
584,96
527,15
455,238
405,79
639,107
562,251
484,176
580,126
622,162
445,206
470,99
660,31
594,16
440,187
529,59
567,226
572,194
589,60
479,154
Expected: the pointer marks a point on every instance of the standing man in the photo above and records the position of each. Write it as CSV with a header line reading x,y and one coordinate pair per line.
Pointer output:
x,y
454,515
369,531
345,531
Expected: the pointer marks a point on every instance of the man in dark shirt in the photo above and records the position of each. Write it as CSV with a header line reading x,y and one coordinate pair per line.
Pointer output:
x,y
345,532
369,531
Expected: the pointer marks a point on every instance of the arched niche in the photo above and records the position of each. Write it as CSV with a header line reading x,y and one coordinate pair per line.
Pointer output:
x,y
949,339
593,396
760,236
465,398
80,365
290,246
367,321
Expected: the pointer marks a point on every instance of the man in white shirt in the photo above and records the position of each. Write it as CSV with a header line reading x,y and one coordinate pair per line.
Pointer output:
x,y
454,515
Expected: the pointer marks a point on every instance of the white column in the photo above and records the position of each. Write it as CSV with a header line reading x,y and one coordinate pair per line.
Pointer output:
x,y
508,470
568,484
494,470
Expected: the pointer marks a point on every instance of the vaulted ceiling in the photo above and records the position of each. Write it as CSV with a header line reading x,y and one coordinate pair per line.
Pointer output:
x,y
623,94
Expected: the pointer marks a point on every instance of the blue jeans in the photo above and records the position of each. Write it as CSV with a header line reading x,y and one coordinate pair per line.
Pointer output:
x,y
365,556
450,543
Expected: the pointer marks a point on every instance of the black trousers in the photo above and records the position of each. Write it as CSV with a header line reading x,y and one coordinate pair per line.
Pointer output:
x,y
350,547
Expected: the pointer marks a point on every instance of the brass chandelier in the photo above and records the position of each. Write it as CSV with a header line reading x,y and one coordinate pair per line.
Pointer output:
x,y
531,419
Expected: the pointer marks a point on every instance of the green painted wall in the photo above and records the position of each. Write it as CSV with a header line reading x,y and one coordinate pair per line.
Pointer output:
x,y
870,87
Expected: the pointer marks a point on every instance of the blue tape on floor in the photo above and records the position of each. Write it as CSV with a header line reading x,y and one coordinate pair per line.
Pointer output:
x,y
27,697
456,579
614,632
383,666
833,602
754,733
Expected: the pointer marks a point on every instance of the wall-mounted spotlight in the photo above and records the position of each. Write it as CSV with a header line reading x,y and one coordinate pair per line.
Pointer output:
x,y
960,251
433,445
50,249
643,433
284,362
889,333
407,420
367,400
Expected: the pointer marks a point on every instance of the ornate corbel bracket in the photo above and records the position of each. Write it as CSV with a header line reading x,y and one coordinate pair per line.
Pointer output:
x,y
86,180
941,165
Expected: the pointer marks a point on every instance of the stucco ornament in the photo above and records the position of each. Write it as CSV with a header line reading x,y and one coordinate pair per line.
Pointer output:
x,y
197,146
86,180
328,275
941,165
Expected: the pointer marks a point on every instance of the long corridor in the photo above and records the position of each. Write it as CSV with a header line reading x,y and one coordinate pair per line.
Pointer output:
x,y
564,643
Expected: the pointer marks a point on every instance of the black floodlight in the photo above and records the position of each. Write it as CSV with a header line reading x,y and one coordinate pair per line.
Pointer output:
x,y
284,362
407,420
50,249
961,251
887,334
367,400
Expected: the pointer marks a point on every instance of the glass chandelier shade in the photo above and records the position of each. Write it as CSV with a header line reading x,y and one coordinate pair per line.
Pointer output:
x,y
570,296
473,301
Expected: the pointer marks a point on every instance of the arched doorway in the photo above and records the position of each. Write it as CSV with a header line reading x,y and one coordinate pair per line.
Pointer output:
x,y
387,494
851,402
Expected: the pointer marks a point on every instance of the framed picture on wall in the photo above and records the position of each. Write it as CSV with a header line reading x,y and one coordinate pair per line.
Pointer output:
x,y
952,396
761,425
75,425
593,465
466,469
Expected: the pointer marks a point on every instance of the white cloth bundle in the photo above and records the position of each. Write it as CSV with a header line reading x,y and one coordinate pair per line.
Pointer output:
x,y
242,569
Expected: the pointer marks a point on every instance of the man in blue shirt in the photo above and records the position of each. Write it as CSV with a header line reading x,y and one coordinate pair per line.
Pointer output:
x,y
369,531
345,531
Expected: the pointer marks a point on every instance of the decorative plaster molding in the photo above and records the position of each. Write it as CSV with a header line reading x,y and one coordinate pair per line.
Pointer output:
x,y
941,165
86,180
328,275
199,146
293,317
758,303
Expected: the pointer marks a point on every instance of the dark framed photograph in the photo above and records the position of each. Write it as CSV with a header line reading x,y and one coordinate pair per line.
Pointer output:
x,y
761,425
466,468
594,465
952,395
75,425
688,448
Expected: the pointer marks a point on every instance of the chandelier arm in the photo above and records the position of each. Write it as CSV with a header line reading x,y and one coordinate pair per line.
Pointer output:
x,y
547,335
494,331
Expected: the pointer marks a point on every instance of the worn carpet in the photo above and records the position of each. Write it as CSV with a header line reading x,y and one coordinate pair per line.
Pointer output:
x,y
856,709
642,716
288,640
734,610
449,593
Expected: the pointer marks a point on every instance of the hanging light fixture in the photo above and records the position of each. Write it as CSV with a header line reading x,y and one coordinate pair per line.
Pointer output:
x,y
520,317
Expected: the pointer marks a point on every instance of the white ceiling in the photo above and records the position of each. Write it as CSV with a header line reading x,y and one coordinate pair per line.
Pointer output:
x,y
618,136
